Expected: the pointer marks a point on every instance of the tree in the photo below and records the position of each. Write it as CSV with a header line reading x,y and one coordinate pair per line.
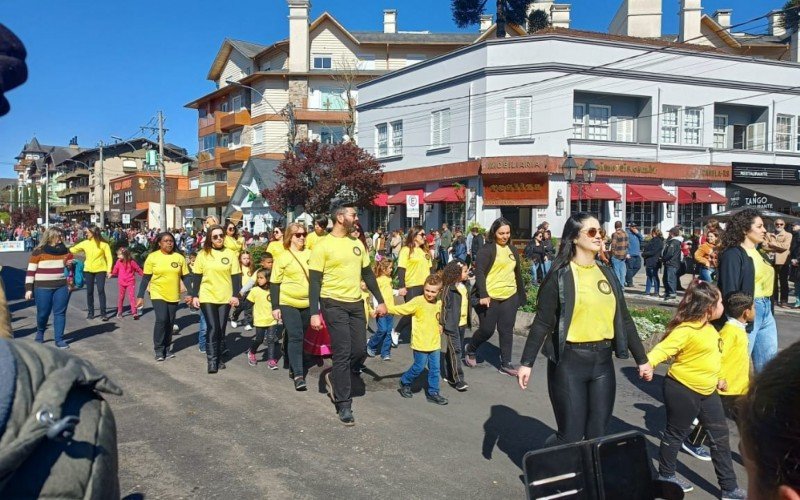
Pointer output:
x,y
26,196
318,176
34,195
14,197
790,19
43,200
347,76
24,215
537,20
468,12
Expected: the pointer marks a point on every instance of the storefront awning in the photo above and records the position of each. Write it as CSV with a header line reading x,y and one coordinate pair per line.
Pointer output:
x,y
446,194
701,195
594,191
784,192
380,200
400,198
136,214
642,192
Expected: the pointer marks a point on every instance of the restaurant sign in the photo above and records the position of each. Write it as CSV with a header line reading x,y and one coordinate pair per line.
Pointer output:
x,y
739,196
515,190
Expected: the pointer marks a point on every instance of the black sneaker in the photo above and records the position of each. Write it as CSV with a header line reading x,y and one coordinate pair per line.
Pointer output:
x,y
105,318
170,354
461,386
346,417
159,357
405,391
436,398
90,316
300,384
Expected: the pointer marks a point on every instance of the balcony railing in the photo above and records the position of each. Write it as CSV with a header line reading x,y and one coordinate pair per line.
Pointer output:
x,y
74,174
209,160
80,207
73,190
232,120
213,194
240,154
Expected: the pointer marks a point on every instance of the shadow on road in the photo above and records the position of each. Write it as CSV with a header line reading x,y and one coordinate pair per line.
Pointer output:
x,y
487,352
654,388
512,433
90,331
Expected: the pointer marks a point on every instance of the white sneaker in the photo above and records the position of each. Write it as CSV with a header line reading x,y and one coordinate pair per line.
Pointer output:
x,y
395,338
175,328
234,324
247,328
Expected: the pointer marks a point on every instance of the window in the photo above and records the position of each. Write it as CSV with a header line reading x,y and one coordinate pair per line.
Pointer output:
x,y
692,126
669,124
756,136
578,120
258,134
454,214
365,61
235,139
381,140
784,130
266,66
595,207
323,61
599,123
224,107
720,132
331,135
378,217
207,145
644,214
440,128
518,117
236,103
389,139
115,199
626,129
397,138
331,99
689,214
224,140
128,196
128,165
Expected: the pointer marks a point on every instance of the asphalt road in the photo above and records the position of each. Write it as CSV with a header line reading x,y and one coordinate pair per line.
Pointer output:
x,y
245,432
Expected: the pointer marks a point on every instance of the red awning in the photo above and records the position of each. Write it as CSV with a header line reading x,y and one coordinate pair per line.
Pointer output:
x,y
380,200
702,195
400,198
594,191
447,194
643,192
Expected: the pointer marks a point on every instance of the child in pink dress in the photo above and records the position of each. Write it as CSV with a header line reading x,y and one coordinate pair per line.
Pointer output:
x,y
126,270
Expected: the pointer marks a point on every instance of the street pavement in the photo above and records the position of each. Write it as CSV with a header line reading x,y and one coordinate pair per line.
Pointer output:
x,y
245,432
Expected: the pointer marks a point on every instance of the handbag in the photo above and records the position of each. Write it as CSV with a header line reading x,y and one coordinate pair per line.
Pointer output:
x,y
315,342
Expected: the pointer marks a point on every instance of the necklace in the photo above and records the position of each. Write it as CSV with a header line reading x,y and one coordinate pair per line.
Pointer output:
x,y
587,266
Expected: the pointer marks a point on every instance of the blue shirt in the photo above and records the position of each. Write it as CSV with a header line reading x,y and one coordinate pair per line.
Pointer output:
x,y
635,243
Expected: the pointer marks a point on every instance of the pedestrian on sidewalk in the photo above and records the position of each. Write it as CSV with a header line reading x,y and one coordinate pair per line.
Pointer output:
x,y
705,257
634,258
652,261
619,252
125,270
794,256
96,269
671,257
46,283
778,244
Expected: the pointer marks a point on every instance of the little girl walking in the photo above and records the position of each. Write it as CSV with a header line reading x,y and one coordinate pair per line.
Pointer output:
x,y
259,297
455,308
381,340
691,384
125,270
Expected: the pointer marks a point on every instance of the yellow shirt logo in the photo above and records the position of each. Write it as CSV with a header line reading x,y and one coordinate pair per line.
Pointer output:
x,y
357,251
175,265
604,287
225,260
427,256
511,256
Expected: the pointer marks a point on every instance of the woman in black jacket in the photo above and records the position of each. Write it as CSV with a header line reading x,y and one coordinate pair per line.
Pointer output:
x,y
794,261
535,252
651,255
498,281
581,320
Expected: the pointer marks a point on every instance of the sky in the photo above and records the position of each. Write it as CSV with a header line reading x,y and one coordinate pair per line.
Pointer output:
x,y
103,68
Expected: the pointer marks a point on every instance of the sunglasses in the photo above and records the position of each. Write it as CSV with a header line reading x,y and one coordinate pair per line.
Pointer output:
x,y
779,225
591,232
276,232
420,234
217,236
299,235
231,228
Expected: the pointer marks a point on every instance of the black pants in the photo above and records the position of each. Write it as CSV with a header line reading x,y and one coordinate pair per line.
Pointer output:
x,y
216,316
347,325
162,330
403,327
699,436
296,322
582,388
451,356
782,281
246,307
683,405
268,333
91,280
500,315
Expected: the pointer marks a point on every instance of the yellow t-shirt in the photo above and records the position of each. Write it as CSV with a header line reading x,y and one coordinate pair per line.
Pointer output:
x,y
237,245
595,306
312,238
426,332
417,264
696,348
462,320
340,260
217,267
292,277
246,274
385,286
276,249
501,282
98,257
262,307
735,359
166,271
765,274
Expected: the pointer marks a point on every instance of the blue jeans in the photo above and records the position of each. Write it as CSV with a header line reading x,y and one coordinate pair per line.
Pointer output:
x,y
633,265
545,266
49,300
652,280
421,360
620,269
705,274
763,339
670,281
382,339
201,333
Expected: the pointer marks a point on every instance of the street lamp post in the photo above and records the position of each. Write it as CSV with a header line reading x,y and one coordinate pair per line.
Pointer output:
x,y
570,169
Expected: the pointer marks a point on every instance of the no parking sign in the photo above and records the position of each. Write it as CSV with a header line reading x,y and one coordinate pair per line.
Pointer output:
x,y
412,205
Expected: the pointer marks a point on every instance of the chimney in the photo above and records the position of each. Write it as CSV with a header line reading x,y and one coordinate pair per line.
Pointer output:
x,y
723,17
690,14
390,21
486,22
559,15
544,5
639,18
775,24
298,35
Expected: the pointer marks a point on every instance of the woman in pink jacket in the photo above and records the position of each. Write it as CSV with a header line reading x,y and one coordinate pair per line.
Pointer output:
x,y
125,270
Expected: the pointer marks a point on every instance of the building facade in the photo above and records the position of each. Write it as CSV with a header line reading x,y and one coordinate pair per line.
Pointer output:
x,y
135,199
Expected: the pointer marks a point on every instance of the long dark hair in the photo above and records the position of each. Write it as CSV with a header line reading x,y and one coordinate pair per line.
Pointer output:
x,y
497,224
412,233
208,243
96,236
700,297
566,250
235,234
737,227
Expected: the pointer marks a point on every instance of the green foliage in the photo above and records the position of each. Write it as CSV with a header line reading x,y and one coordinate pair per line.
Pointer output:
x,y
43,201
537,20
26,196
531,291
790,19
256,251
5,217
651,322
14,197
481,230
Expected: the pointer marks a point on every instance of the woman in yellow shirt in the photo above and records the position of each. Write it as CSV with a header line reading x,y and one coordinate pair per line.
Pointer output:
x,y
498,281
581,319
217,277
413,267
163,271
96,268
232,238
275,247
289,289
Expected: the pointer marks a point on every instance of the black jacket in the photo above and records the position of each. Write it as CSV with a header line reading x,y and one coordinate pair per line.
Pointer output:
x,y
554,313
794,250
477,244
534,252
483,264
671,256
736,271
652,252
451,307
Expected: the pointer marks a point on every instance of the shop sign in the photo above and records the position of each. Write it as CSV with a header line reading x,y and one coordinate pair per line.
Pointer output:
x,y
742,197
663,170
751,172
515,189
126,218
122,185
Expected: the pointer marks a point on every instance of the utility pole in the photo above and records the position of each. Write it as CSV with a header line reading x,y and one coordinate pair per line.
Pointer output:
x,y
162,171
102,219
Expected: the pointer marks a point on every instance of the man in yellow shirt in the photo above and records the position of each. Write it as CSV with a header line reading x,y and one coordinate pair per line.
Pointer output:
x,y
338,264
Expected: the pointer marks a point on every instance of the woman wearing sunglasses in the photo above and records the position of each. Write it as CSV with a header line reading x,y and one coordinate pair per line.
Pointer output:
x,y
581,320
289,289
216,274
275,246
232,238
414,265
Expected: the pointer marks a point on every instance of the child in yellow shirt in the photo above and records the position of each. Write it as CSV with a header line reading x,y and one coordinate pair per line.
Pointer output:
x,y
263,320
381,340
426,341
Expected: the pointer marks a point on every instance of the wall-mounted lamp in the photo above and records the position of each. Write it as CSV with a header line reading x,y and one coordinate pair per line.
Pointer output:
x,y
617,208
428,208
559,203
390,209
670,210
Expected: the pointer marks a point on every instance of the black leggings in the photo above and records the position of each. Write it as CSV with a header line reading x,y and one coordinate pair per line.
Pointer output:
x,y
267,332
296,322
216,316
451,356
100,280
582,388
404,324
246,307
162,330
499,315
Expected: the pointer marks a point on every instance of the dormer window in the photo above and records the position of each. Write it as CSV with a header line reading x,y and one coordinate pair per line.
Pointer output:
x,y
323,61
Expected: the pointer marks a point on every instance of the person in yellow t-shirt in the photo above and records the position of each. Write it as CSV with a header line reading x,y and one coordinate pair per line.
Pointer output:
x,y
456,309
248,268
414,265
164,269
320,230
217,279
232,239
691,384
96,269
261,299
381,341
276,247
426,338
